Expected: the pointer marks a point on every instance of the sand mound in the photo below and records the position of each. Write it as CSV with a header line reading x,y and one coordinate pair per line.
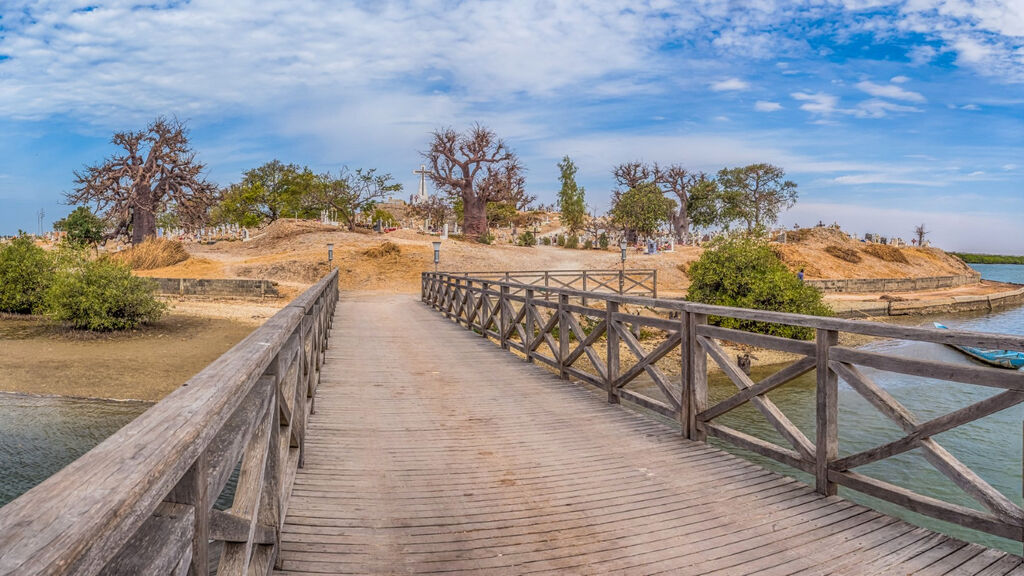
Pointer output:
x,y
303,271
194,267
383,251
830,253
886,253
153,253
285,228
843,253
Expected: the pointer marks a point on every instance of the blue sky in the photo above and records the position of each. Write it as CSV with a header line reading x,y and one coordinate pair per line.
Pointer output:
x,y
886,113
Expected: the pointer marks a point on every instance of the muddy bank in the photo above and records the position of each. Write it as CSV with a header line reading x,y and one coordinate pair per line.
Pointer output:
x,y
37,357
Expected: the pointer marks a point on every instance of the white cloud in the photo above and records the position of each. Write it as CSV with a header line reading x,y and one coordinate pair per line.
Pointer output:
x,y
878,108
976,173
729,84
205,57
817,103
1010,166
899,79
922,55
890,91
765,106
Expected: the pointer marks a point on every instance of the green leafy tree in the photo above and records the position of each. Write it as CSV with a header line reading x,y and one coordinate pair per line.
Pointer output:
x,y
82,227
742,271
350,193
101,295
268,192
571,202
501,214
705,208
26,271
755,195
643,209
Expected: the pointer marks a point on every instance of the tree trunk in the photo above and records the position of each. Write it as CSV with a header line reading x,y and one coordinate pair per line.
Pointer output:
x,y
474,216
143,215
681,225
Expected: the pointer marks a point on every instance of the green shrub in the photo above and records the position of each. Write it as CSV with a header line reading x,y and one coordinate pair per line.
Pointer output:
x,y
487,238
101,295
546,240
743,272
527,239
588,245
572,242
561,240
602,241
26,270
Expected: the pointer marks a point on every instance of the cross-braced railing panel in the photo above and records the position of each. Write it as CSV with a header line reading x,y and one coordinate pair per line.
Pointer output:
x,y
639,282
142,502
654,353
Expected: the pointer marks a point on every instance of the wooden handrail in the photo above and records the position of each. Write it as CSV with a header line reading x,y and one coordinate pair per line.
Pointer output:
x,y
525,317
639,282
141,501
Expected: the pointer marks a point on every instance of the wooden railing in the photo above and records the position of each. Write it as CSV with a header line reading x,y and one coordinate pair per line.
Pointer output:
x,y
638,282
598,344
142,501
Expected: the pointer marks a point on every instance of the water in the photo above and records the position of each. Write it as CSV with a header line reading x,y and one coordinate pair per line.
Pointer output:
x,y
41,435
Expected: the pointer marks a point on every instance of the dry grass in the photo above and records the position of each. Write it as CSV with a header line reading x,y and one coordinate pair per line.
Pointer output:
x,y
886,253
153,253
843,253
383,251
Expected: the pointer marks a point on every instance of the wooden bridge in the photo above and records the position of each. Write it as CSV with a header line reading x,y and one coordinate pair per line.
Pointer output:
x,y
432,451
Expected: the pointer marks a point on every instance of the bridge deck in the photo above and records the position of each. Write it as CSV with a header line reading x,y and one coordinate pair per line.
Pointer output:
x,y
433,452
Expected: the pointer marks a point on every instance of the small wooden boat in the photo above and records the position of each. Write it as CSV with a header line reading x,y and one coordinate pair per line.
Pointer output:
x,y
1000,358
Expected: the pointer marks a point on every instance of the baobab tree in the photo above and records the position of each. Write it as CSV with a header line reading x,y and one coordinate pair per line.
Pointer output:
x,y
156,172
679,182
477,167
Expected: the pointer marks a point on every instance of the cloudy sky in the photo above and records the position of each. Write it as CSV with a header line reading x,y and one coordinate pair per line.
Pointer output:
x,y
886,113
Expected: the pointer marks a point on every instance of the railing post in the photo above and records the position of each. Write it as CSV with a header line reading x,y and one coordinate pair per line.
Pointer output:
x,y
622,281
563,335
504,306
584,302
547,278
484,307
467,306
827,445
528,318
611,309
654,284
192,490
696,376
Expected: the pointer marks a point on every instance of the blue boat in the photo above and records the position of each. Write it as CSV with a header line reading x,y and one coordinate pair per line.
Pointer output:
x,y
1010,359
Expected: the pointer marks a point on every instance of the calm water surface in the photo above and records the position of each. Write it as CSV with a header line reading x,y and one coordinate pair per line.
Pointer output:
x,y
41,435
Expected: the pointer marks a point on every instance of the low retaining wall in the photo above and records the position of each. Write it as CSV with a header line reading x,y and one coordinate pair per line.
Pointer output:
x,y
858,285
237,287
932,306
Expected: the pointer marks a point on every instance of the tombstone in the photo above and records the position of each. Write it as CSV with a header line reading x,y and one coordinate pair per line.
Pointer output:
x,y
444,231
245,234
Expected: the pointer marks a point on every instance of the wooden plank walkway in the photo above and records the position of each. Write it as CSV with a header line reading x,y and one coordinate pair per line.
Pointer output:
x,y
432,451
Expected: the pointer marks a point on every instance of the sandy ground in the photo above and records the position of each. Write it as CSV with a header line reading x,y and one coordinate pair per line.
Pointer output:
x,y
294,254
144,364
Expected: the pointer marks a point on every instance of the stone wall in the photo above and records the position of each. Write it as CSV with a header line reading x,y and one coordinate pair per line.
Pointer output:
x,y
945,305
860,285
234,287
